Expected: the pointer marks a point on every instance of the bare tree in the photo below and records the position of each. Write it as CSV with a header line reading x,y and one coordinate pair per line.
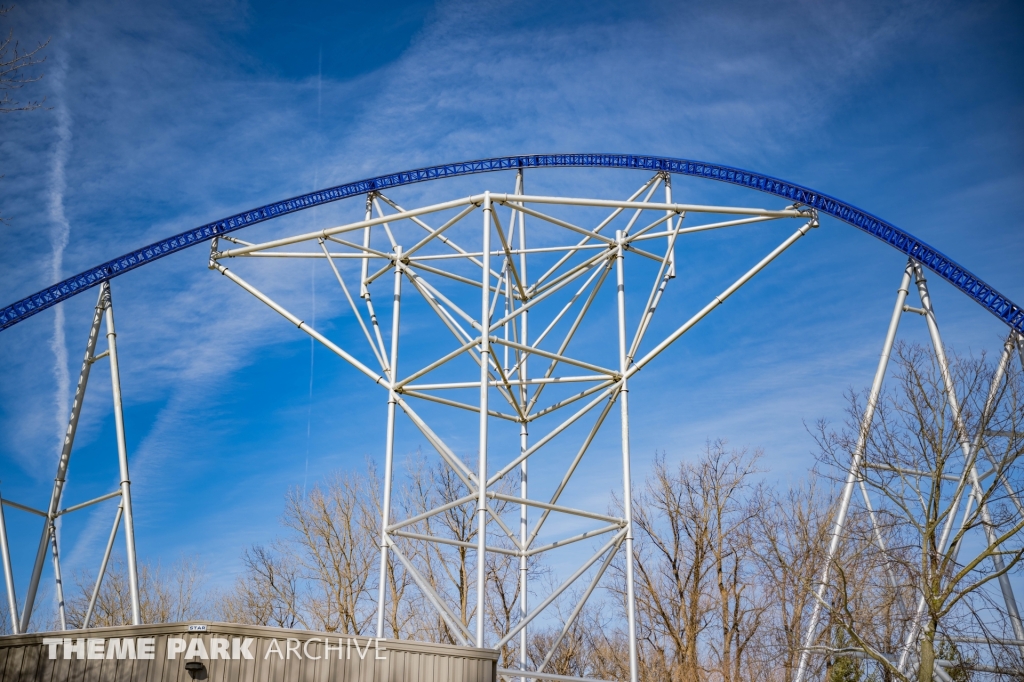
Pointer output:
x,y
402,602
794,530
574,653
165,596
332,527
446,569
450,570
503,590
931,432
697,610
266,593
5,622
735,503
16,69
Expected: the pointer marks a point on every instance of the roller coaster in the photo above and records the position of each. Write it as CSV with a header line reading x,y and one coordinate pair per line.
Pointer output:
x,y
491,269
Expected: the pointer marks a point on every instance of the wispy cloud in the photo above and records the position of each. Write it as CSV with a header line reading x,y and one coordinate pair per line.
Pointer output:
x,y
60,232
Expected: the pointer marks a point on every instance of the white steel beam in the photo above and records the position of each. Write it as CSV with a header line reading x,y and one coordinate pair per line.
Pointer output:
x,y
377,379
389,445
654,180
83,505
652,206
627,483
522,366
608,546
342,229
855,466
103,567
481,512
65,457
122,458
720,299
5,555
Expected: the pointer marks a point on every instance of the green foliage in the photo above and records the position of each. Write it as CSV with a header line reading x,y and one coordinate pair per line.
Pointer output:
x,y
846,669
948,651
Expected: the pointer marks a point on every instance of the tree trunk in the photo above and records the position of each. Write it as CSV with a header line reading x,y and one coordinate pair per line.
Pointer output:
x,y
927,667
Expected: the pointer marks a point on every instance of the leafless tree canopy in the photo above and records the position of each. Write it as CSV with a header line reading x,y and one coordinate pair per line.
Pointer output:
x,y
166,596
945,534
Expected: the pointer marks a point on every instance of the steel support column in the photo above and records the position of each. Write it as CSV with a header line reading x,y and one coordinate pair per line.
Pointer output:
x,y
524,518
855,465
65,457
481,510
389,446
5,556
1012,611
103,567
969,452
506,370
122,458
57,578
627,486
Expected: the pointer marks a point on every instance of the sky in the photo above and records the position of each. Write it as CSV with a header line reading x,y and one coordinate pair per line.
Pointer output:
x,y
163,116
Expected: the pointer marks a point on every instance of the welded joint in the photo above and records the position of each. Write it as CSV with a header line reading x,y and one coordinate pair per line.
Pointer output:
x,y
804,211
214,253
104,298
97,358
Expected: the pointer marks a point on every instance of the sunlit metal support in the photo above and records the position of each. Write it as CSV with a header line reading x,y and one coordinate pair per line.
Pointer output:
x,y
451,620
627,481
389,446
5,556
122,459
970,451
501,350
524,517
855,466
58,578
103,567
512,287
65,457
577,609
1010,601
103,314
481,511
969,475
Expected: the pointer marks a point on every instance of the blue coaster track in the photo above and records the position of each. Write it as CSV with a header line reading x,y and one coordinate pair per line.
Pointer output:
x,y
901,240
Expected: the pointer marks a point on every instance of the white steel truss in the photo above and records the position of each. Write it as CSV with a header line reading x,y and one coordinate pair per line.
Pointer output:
x,y
436,253
103,315
964,488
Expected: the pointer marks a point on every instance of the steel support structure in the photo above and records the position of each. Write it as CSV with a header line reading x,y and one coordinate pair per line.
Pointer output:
x,y
549,388
103,316
957,275
549,385
967,481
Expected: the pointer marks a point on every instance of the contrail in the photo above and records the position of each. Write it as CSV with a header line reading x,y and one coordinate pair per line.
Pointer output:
x,y
60,230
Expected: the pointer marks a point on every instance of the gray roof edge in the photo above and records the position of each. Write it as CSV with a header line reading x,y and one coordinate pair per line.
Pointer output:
x,y
265,631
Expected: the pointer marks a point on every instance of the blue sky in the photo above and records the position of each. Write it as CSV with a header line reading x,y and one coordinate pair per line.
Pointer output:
x,y
168,115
